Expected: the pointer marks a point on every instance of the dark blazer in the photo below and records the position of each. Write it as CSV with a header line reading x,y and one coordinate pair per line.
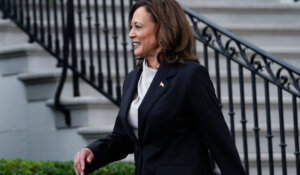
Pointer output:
x,y
179,124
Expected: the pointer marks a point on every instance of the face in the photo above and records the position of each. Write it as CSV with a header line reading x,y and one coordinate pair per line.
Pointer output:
x,y
142,34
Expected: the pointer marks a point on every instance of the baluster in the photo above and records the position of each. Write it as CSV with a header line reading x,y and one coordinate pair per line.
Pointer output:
x,y
256,128
48,25
105,30
2,7
231,110
56,40
28,25
21,12
132,51
64,63
42,31
14,15
82,59
89,18
269,128
218,84
8,11
195,49
124,43
243,119
62,9
282,135
97,24
35,27
75,76
205,56
133,58
115,37
296,134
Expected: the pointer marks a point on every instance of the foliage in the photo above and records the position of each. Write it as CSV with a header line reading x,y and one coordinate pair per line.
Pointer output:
x,y
30,167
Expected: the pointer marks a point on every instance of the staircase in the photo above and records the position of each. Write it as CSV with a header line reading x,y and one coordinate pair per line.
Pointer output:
x,y
30,78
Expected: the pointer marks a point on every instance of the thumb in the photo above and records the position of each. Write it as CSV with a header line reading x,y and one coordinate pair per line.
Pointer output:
x,y
89,158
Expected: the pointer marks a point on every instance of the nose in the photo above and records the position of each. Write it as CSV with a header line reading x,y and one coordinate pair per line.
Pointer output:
x,y
131,33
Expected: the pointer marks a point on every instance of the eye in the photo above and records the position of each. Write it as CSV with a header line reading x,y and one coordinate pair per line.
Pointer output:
x,y
138,27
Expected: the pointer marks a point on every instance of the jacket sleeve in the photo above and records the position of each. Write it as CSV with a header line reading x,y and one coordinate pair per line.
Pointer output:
x,y
115,146
212,125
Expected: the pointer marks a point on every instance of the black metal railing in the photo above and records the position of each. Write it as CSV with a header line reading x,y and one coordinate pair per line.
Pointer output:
x,y
273,74
74,33
255,89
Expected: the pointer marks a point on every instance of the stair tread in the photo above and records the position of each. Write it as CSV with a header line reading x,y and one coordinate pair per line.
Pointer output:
x,y
241,5
29,76
261,27
79,101
290,157
94,130
18,47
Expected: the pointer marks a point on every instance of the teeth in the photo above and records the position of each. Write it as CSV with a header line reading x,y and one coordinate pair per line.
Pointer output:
x,y
134,44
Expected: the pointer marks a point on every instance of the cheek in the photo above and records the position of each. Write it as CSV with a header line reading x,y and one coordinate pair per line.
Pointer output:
x,y
152,43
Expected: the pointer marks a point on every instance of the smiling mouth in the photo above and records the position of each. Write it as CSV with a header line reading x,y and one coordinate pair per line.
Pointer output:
x,y
135,45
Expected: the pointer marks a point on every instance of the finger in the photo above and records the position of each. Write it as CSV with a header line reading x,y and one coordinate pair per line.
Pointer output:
x,y
74,163
90,157
77,165
76,169
82,160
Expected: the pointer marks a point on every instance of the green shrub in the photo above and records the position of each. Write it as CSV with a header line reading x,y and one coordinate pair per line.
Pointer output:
x,y
30,167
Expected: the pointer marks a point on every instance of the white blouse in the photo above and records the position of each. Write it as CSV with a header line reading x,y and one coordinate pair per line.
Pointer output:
x,y
142,87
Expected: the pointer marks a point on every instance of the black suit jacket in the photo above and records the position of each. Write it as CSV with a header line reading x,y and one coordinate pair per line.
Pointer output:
x,y
179,124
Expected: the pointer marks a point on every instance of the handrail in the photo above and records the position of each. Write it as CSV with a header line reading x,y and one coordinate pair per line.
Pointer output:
x,y
241,47
242,41
270,69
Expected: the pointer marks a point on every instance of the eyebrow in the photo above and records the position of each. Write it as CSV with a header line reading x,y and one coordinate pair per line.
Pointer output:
x,y
136,23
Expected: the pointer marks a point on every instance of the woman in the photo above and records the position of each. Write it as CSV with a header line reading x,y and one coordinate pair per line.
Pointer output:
x,y
169,116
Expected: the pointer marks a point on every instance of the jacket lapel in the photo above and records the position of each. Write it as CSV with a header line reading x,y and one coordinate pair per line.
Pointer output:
x,y
126,102
157,88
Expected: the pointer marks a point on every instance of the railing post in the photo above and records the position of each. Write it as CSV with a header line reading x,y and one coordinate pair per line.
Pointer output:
x,y
71,27
68,31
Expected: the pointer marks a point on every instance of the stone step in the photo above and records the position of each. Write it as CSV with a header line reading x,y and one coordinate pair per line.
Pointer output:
x,y
91,133
220,12
25,58
42,86
259,34
261,111
267,35
263,140
240,12
85,111
231,2
32,58
36,81
291,165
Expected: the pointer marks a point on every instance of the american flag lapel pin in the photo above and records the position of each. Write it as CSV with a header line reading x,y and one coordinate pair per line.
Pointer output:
x,y
161,84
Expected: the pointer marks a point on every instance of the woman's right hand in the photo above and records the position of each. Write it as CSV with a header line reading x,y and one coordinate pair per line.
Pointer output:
x,y
82,156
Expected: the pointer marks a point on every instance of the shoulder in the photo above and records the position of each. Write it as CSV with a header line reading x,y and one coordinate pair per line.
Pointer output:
x,y
192,68
196,74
